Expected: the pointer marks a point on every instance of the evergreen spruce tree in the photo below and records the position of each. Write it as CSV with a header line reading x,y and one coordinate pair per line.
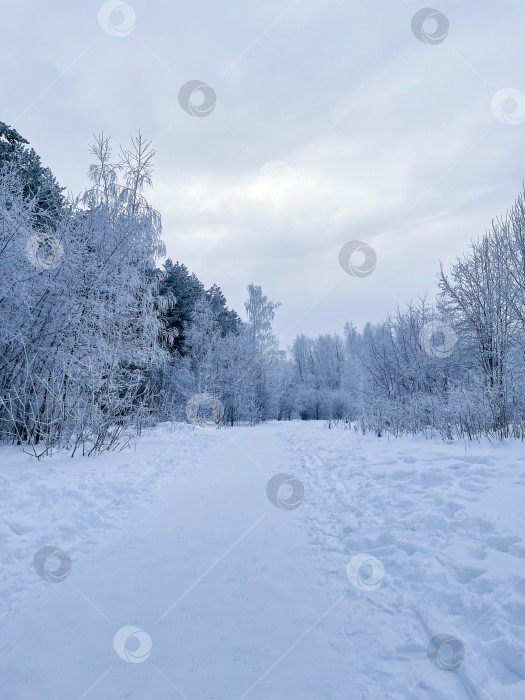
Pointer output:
x,y
38,183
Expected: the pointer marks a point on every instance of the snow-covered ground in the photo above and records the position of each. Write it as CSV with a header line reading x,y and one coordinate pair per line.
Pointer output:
x,y
235,597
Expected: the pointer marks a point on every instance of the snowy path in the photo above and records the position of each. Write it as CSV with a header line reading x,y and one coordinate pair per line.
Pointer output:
x,y
241,599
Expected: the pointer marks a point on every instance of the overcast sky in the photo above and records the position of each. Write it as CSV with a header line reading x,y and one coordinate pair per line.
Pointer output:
x,y
332,123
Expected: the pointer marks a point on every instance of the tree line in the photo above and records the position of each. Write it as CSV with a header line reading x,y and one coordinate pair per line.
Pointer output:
x,y
455,367
97,341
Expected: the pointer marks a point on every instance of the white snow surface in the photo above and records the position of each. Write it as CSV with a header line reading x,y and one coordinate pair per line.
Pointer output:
x,y
238,598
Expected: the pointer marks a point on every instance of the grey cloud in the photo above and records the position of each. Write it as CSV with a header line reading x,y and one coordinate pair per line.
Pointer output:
x,y
380,129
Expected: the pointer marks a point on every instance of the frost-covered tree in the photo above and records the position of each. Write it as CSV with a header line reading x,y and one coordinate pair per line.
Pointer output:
x,y
79,326
261,312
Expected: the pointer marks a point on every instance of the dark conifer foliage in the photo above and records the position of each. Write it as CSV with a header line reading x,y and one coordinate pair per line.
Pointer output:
x,y
183,286
38,183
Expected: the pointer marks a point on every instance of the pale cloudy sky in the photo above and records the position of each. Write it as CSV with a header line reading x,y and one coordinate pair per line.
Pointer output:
x,y
333,122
